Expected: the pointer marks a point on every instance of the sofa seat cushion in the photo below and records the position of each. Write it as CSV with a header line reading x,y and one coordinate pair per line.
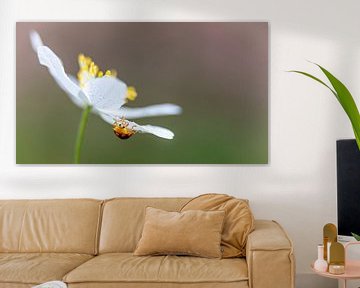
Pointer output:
x,y
127,268
36,268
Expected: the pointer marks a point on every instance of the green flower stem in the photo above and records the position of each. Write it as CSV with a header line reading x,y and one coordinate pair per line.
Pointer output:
x,y
81,133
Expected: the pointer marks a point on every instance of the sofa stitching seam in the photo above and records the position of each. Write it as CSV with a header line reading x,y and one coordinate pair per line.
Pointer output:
x,y
98,228
22,226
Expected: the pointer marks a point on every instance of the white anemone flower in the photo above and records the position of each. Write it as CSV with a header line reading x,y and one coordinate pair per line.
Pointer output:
x,y
103,93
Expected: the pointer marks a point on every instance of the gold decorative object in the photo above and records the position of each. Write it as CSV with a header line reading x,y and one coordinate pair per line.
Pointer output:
x,y
337,258
337,254
336,269
330,236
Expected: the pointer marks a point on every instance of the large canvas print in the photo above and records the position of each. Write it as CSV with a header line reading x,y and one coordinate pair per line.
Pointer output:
x,y
142,93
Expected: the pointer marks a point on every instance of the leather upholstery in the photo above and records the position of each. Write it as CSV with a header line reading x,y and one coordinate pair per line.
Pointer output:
x,y
125,268
242,284
15,285
192,233
65,226
123,218
36,268
239,220
73,226
269,256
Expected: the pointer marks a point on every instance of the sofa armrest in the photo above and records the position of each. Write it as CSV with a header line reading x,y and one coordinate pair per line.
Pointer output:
x,y
269,256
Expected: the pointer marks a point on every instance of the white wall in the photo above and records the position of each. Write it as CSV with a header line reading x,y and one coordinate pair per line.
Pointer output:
x,y
297,187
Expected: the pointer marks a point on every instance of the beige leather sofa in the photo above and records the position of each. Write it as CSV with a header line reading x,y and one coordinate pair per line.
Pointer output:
x,y
89,243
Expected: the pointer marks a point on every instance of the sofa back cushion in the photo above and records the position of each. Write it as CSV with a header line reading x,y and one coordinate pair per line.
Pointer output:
x,y
123,220
67,226
238,224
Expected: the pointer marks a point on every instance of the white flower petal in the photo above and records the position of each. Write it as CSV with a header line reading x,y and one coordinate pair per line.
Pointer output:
x,y
106,93
155,130
106,117
49,59
79,100
36,41
149,111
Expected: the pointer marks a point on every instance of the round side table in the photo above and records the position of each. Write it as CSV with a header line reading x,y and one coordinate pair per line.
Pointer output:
x,y
352,269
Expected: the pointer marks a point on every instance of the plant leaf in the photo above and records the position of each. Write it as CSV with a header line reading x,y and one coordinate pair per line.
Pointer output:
x,y
316,79
357,237
344,97
357,137
347,102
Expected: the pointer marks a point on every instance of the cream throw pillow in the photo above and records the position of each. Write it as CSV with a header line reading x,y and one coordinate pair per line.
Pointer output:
x,y
193,232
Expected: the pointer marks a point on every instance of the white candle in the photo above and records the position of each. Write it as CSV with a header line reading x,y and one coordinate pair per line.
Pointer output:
x,y
336,269
328,252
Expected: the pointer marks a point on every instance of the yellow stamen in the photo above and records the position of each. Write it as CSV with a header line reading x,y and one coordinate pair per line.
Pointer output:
x,y
89,70
131,93
81,59
93,69
84,61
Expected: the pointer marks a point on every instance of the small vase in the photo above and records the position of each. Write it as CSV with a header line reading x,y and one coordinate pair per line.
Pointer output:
x,y
320,264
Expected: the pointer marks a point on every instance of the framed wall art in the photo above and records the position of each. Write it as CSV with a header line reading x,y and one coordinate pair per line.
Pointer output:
x,y
142,93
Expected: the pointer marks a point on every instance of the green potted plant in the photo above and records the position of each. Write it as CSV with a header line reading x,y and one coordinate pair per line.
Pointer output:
x,y
357,237
344,97
346,100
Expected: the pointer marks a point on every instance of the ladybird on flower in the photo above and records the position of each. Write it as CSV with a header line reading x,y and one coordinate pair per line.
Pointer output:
x,y
101,92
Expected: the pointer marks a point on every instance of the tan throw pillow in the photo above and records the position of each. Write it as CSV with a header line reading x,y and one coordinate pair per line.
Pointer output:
x,y
196,233
239,220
